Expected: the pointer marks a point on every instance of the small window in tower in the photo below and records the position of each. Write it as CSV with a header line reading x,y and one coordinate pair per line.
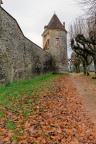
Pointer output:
x,y
48,42
57,41
46,45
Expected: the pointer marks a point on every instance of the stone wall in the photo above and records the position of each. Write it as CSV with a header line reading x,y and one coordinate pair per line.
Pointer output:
x,y
20,58
58,50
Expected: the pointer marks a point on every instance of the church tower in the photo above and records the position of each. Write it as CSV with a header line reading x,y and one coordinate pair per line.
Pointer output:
x,y
55,43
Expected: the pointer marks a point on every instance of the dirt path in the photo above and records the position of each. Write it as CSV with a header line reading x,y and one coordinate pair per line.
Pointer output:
x,y
86,89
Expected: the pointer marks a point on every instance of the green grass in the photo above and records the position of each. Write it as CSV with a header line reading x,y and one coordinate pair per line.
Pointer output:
x,y
13,95
10,125
1,114
19,101
25,87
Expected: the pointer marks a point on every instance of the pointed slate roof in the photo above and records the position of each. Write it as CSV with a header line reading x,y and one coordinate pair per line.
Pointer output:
x,y
55,23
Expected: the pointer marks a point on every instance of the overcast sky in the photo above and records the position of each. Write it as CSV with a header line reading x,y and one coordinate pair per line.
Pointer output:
x,y
33,15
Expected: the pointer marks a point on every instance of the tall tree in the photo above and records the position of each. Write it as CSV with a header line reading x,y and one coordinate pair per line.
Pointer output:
x,y
83,33
75,61
89,6
83,42
81,52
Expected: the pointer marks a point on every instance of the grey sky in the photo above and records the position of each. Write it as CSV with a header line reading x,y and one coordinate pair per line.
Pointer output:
x,y
32,15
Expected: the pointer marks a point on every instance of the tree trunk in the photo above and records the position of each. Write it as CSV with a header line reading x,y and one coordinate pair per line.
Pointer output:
x,y
87,71
76,68
94,58
84,69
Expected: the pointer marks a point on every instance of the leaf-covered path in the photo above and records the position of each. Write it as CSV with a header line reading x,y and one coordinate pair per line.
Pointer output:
x,y
59,117
86,87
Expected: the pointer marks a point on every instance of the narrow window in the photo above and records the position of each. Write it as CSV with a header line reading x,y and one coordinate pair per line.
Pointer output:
x,y
46,45
48,42
57,41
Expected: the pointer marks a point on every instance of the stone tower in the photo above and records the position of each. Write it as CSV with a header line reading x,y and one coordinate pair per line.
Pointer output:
x,y
55,43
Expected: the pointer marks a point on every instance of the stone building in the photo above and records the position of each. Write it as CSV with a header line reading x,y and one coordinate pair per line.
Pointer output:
x,y
55,43
22,59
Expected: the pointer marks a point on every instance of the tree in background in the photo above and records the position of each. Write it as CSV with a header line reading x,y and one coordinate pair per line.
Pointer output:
x,y
89,6
75,62
83,34
81,53
82,44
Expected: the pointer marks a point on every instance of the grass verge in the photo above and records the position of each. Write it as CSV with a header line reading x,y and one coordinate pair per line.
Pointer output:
x,y
19,103
19,97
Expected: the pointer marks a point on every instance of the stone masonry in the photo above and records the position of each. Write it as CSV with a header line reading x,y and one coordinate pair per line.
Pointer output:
x,y
55,43
20,58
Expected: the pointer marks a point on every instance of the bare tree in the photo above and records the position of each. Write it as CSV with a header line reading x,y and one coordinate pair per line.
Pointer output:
x,y
79,26
83,33
75,61
83,41
89,6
